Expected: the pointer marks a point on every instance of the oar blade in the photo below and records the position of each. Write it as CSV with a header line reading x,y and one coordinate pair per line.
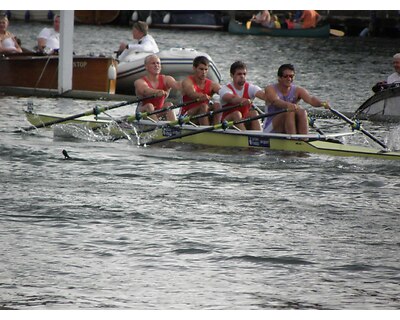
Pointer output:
x,y
336,33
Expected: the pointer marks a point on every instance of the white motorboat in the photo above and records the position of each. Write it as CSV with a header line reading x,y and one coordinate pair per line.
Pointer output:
x,y
176,62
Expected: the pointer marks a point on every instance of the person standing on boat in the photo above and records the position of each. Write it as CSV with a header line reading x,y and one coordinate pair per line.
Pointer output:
x,y
8,42
48,40
239,91
145,42
395,77
198,86
285,95
154,83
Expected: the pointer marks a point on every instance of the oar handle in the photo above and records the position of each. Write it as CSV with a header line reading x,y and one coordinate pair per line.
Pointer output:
x,y
357,126
186,119
140,115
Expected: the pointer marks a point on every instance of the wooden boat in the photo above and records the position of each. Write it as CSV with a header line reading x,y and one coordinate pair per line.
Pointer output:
x,y
237,27
41,71
384,105
312,143
96,16
176,62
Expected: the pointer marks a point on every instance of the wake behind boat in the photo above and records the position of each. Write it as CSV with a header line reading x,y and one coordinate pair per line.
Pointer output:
x,y
176,62
149,131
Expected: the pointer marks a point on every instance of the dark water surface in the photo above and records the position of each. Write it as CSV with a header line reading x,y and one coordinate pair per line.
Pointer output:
x,y
124,227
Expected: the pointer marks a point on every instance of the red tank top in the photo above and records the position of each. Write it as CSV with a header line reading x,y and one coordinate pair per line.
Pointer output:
x,y
158,102
206,90
243,109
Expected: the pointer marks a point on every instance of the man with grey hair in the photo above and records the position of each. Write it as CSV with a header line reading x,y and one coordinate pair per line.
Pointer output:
x,y
395,77
48,40
145,42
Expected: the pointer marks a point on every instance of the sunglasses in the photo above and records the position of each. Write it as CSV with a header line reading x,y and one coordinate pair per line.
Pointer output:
x,y
286,76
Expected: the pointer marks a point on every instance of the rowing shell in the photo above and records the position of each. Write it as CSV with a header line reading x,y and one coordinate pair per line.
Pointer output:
x,y
310,143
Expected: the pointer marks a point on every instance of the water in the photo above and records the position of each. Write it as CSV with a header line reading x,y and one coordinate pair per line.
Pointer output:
x,y
127,227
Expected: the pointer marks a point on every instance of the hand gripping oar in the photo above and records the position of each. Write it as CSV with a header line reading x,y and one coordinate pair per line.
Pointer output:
x,y
224,125
184,119
95,111
357,126
140,115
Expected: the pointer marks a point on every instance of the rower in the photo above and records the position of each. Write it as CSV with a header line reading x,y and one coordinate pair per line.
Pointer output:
x,y
239,91
198,86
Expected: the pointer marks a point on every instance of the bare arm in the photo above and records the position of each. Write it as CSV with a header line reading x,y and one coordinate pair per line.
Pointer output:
x,y
143,89
188,90
172,83
311,100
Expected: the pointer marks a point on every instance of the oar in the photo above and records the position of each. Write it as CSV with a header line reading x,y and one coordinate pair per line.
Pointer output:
x,y
95,110
185,119
357,126
140,115
311,122
224,125
337,33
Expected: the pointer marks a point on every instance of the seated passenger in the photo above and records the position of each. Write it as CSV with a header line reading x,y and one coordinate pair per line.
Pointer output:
x,y
8,42
48,40
145,42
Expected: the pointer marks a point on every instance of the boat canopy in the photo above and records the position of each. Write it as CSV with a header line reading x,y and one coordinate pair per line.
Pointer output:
x,y
385,102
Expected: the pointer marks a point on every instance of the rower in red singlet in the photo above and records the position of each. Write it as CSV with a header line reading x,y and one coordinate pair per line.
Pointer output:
x,y
155,83
197,86
239,91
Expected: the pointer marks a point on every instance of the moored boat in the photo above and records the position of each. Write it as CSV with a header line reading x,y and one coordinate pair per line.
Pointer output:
x,y
96,16
34,71
236,27
327,144
189,19
384,105
176,62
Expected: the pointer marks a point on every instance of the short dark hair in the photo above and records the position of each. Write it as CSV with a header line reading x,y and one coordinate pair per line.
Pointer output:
x,y
200,60
284,67
141,26
237,65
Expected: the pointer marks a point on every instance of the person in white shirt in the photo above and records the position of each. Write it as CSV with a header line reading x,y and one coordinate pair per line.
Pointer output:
x,y
395,77
48,39
145,42
8,42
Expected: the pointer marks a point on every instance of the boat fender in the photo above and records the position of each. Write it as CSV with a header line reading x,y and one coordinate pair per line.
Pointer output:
x,y
112,72
50,15
167,18
135,16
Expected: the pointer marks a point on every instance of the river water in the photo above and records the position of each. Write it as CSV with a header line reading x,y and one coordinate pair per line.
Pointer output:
x,y
125,227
